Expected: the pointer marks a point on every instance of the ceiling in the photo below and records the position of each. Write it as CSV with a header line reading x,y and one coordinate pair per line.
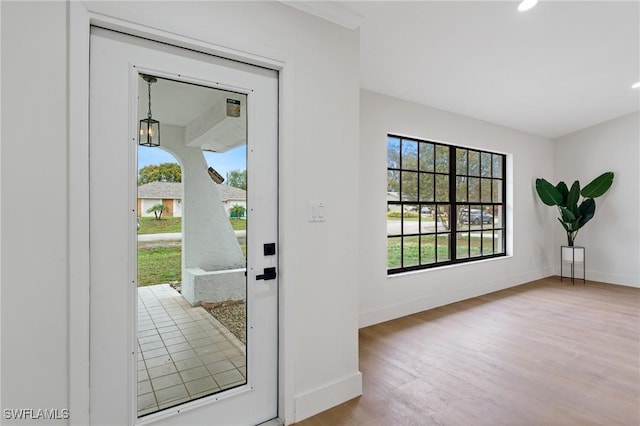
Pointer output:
x,y
201,111
179,103
558,68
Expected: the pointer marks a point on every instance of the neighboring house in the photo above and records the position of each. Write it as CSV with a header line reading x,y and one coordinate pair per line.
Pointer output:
x,y
393,196
230,196
169,194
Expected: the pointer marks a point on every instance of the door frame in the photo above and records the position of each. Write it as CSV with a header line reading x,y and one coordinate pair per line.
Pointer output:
x,y
81,18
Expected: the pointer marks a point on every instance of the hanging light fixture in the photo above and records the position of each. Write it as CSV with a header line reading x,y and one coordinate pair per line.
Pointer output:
x,y
149,128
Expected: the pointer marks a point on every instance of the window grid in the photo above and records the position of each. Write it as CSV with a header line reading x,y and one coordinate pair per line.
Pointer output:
x,y
465,225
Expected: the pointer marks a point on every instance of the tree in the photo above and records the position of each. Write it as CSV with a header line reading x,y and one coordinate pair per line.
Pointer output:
x,y
238,179
165,172
422,170
156,210
237,211
433,187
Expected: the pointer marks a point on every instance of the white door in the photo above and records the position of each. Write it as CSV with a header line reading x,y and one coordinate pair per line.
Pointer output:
x,y
148,362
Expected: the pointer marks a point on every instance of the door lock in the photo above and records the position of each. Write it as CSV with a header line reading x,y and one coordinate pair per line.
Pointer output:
x,y
269,249
269,274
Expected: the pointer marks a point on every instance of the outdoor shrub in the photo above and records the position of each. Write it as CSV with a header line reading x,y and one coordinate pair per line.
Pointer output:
x,y
399,214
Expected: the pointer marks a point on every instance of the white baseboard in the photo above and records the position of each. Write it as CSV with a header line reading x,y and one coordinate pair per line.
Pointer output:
x,y
609,278
327,396
452,295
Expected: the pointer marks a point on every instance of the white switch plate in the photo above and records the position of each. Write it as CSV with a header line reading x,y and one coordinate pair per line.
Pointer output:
x,y
316,211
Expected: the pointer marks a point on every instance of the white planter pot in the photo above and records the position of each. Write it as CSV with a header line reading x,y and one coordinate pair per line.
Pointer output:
x,y
572,254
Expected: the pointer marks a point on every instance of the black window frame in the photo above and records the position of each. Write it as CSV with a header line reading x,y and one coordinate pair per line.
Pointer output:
x,y
458,228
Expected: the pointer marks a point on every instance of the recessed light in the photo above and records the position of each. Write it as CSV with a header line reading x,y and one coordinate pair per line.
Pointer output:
x,y
526,5
636,86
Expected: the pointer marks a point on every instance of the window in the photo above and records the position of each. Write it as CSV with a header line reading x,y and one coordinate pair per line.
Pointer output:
x,y
445,204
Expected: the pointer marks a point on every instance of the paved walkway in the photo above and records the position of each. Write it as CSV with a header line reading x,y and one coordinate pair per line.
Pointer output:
x,y
183,352
176,236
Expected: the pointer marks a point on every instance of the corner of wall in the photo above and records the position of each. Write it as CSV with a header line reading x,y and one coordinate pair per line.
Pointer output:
x,y
327,396
613,250
384,298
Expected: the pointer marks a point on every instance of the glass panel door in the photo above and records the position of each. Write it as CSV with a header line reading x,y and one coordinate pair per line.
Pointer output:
x,y
183,311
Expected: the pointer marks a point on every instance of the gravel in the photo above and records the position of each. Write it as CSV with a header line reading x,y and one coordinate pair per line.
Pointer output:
x,y
234,317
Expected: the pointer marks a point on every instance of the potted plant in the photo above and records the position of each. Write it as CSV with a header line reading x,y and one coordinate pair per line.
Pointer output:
x,y
574,216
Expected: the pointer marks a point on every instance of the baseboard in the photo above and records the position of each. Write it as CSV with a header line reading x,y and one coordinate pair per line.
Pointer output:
x,y
451,295
609,278
327,396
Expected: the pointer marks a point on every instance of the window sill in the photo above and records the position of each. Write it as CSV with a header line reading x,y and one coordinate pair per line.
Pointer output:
x,y
454,265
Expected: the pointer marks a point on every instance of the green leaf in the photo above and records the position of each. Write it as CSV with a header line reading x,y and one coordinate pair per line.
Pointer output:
x,y
574,209
574,196
567,215
587,211
548,193
598,186
562,189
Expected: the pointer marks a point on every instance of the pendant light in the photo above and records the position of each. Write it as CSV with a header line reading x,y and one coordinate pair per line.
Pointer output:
x,y
149,128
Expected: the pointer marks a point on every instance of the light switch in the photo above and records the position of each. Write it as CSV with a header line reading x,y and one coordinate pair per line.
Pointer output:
x,y
316,211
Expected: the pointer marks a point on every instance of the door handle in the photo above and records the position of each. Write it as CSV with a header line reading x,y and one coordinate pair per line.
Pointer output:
x,y
268,274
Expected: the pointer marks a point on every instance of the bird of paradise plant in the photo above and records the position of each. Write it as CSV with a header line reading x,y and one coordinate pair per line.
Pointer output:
x,y
574,216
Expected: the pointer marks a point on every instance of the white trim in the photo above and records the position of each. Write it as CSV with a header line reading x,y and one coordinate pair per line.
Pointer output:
x,y
78,181
267,58
608,278
80,20
318,400
132,257
0,190
286,276
273,422
329,11
191,405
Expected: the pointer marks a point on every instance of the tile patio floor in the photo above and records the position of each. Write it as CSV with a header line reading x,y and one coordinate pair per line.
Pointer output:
x,y
183,352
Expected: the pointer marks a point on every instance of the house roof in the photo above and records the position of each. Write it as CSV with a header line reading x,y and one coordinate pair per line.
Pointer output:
x,y
173,190
228,192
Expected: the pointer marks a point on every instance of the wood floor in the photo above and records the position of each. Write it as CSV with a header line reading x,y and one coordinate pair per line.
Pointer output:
x,y
543,353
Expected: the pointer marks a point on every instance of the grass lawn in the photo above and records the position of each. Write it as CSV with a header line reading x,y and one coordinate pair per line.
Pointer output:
x,y
238,224
158,265
151,225
427,252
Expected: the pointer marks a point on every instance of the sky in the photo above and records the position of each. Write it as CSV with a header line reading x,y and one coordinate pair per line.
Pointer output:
x,y
235,159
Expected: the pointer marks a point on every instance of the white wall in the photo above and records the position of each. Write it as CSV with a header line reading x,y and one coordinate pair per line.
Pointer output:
x,y
612,237
34,371
382,297
318,162
146,204
228,205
